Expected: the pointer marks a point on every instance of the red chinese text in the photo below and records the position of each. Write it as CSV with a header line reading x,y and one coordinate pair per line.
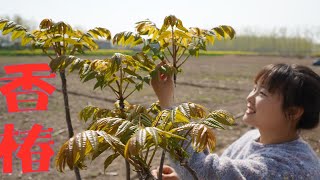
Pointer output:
x,y
25,150
26,81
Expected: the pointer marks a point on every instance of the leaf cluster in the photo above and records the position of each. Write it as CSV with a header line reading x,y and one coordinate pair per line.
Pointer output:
x,y
136,132
17,31
65,40
172,38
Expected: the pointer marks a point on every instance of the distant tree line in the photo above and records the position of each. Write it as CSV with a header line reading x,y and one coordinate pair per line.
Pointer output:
x,y
284,46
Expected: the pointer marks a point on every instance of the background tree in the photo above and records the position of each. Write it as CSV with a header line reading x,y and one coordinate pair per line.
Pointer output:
x,y
63,40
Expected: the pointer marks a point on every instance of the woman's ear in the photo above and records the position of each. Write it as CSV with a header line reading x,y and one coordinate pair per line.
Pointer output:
x,y
295,113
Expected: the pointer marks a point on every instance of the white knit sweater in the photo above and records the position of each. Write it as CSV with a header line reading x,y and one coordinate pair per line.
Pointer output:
x,y
248,159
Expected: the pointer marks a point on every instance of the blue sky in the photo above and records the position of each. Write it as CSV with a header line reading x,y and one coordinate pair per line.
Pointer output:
x,y
117,15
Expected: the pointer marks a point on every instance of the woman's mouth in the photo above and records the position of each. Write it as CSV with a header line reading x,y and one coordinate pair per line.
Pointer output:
x,y
250,110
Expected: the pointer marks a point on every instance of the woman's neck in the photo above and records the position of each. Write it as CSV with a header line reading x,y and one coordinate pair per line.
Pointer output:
x,y
275,137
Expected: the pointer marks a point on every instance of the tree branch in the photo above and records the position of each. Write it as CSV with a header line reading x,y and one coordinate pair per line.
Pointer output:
x,y
183,61
45,51
151,158
169,51
181,54
166,57
126,87
114,91
130,93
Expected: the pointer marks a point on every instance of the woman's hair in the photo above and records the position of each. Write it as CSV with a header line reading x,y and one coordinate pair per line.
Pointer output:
x,y
299,86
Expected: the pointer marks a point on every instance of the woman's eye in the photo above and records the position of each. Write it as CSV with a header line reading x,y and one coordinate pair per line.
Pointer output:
x,y
262,93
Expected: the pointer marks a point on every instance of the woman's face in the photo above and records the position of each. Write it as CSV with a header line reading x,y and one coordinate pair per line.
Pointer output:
x,y
264,109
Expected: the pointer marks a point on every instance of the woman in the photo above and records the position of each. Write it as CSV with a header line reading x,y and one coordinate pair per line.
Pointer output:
x,y
285,99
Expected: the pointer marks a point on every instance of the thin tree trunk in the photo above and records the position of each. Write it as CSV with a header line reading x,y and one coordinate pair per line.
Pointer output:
x,y
127,169
161,164
67,111
77,173
121,104
146,176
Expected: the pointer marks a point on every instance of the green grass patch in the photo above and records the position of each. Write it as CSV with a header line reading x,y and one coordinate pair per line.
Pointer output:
x,y
109,52
222,53
25,52
315,54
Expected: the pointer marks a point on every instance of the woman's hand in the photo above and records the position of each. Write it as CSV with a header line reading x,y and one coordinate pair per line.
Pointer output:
x,y
168,173
163,86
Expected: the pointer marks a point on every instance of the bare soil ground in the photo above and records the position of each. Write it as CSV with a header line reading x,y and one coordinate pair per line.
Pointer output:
x,y
221,82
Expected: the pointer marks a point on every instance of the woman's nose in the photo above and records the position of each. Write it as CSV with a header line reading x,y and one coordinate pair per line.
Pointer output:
x,y
250,97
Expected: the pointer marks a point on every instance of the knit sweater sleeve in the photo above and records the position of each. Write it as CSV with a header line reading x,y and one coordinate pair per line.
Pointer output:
x,y
212,166
248,159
